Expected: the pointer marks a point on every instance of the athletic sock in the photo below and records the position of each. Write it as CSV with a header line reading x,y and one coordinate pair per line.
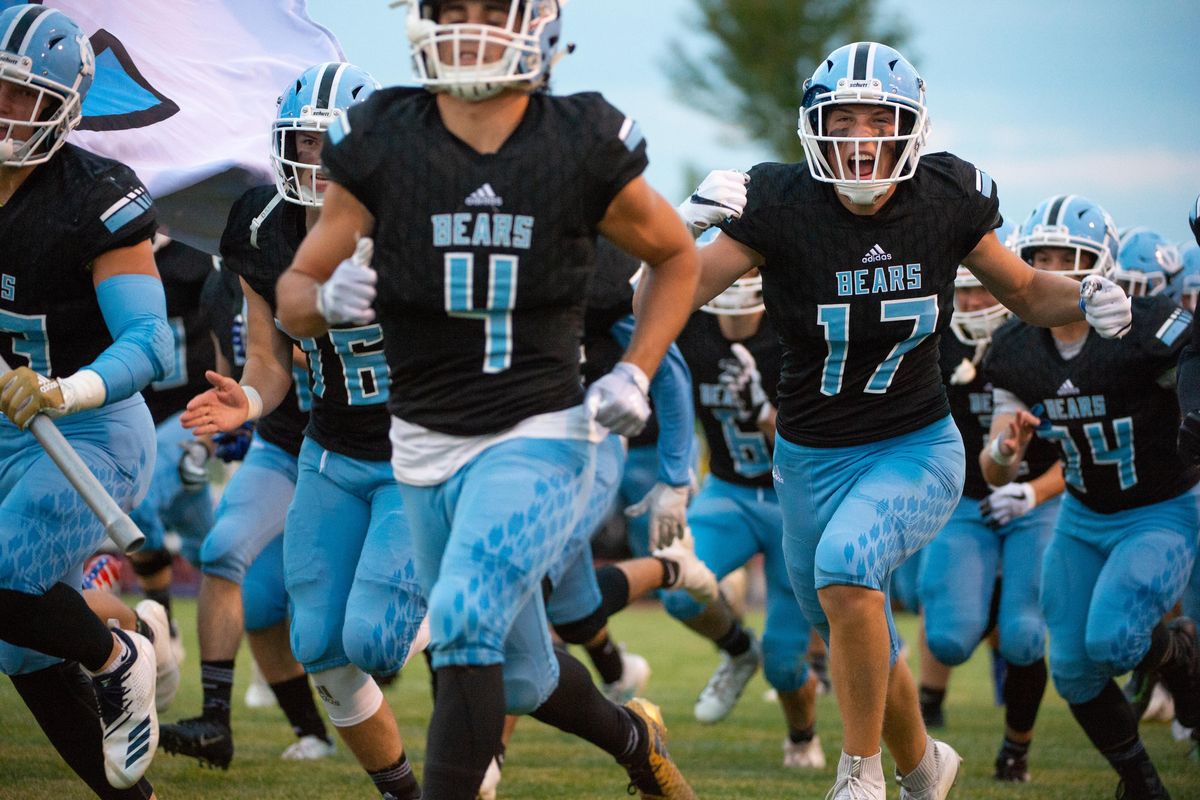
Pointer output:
x,y
1014,750
925,774
577,707
1109,723
296,699
801,735
397,782
736,641
1023,691
464,732
931,700
57,623
216,679
607,659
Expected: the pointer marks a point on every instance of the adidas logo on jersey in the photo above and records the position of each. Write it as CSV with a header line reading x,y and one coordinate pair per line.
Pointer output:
x,y
484,196
1067,388
876,254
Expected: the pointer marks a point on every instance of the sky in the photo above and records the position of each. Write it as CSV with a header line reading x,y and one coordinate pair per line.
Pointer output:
x,y
1100,99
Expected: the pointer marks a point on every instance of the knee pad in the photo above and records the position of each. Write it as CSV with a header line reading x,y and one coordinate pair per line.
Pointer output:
x,y
785,668
1023,642
523,695
350,695
582,631
149,562
680,605
947,650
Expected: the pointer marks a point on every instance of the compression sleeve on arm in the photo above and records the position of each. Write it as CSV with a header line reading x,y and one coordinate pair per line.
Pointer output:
x,y
135,311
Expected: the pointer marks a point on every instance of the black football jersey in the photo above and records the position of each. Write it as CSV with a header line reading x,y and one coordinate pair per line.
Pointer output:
x,y
1113,423
1189,374
860,302
483,260
224,309
971,407
349,376
259,256
69,210
184,271
738,452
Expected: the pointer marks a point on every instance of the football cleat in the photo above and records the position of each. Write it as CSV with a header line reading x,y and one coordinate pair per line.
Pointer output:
x,y
1011,768
166,681
727,683
948,762
309,748
258,693
126,704
803,755
635,674
491,781
202,738
653,774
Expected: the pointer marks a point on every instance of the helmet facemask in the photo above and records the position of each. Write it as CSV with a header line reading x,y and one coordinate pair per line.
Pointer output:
x,y
296,178
451,57
975,327
32,138
743,298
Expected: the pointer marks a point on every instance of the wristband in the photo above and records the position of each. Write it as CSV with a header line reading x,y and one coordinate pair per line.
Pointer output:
x,y
254,400
81,391
998,456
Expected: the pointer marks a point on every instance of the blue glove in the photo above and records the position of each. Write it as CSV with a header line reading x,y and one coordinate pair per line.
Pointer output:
x,y
233,446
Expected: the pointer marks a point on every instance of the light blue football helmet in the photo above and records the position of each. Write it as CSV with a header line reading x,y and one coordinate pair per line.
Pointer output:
x,y
1185,288
1146,261
1075,223
530,40
309,105
977,326
47,66
863,73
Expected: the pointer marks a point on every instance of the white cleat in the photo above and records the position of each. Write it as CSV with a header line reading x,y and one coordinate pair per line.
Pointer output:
x,y
166,680
309,748
859,778
803,755
126,702
948,761
694,574
258,693
491,782
1161,707
635,674
726,684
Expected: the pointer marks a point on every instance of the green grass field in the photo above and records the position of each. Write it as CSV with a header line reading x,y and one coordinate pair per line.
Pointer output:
x,y
739,758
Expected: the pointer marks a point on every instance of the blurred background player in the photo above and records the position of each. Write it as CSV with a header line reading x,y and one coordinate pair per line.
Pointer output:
x,y
83,323
1125,539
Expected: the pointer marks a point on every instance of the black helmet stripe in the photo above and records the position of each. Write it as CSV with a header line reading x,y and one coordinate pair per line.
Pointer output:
x,y
1053,216
20,27
859,71
325,85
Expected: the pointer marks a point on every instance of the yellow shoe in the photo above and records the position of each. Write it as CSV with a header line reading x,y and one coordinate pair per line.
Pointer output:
x,y
656,776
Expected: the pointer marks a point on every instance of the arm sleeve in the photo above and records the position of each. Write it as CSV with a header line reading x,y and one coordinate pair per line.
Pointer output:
x,y
135,311
671,391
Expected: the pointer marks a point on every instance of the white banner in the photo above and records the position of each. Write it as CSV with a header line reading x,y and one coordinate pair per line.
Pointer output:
x,y
185,94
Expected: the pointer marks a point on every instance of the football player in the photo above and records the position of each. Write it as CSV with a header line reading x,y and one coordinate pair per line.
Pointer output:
x,y
83,321
482,265
1125,538
861,245
1146,263
992,531
348,564
733,353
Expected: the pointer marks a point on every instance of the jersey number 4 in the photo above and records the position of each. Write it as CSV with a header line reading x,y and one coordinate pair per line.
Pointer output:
x,y
835,319
1119,454
496,314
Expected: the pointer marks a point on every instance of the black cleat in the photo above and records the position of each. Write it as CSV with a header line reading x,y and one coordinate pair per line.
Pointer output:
x,y
1011,769
202,738
1181,673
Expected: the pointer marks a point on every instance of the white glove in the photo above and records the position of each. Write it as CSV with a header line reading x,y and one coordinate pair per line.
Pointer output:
x,y
722,194
618,400
1005,504
693,575
350,290
668,512
740,376
193,472
1105,306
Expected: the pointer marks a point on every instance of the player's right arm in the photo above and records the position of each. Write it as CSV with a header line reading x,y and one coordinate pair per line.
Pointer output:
x,y
266,377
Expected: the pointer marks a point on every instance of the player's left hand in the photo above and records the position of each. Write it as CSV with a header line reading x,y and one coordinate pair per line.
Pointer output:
x,y
1105,306
667,506
740,376
1007,503
619,400
193,465
1188,443
24,393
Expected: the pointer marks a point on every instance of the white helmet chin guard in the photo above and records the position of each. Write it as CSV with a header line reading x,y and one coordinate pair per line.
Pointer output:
x,y
450,58
975,327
